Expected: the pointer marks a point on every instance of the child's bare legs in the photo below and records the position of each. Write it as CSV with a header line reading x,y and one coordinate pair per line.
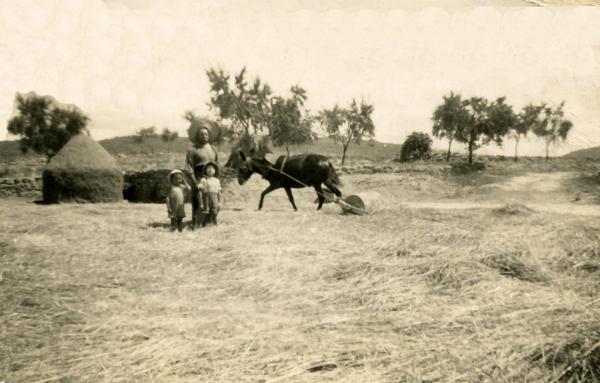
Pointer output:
x,y
177,223
206,202
213,204
199,217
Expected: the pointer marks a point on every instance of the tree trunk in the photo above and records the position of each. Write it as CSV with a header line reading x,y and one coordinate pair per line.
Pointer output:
x,y
449,153
547,150
344,154
470,154
516,145
287,150
471,146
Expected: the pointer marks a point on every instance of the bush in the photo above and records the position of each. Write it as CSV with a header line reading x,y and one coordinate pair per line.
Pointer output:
x,y
416,147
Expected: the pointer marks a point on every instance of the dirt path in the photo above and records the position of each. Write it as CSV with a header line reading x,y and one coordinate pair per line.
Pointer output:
x,y
549,188
561,208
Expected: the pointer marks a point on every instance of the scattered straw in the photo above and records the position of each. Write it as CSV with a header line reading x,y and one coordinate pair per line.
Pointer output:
x,y
513,209
105,293
510,265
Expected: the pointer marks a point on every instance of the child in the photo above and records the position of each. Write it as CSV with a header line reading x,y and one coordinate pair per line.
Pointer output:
x,y
176,199
211,191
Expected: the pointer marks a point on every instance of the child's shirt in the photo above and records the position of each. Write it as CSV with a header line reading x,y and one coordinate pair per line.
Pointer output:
x,y
210,185
176,202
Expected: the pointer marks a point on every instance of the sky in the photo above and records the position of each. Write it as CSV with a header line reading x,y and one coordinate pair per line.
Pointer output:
x,y
135,63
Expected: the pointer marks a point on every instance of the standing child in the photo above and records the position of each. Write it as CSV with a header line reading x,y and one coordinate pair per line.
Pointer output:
x,y
211,191
176,199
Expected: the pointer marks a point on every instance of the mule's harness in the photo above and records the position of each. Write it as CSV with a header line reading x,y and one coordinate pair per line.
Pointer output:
x,y
335,200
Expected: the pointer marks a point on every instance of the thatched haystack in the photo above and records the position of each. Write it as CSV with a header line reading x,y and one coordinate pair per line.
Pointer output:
x,y
82,171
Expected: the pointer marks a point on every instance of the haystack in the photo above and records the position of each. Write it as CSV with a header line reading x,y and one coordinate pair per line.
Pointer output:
x,y
82,171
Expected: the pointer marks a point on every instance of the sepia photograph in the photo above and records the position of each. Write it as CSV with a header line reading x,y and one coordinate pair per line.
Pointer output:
x,y
394,191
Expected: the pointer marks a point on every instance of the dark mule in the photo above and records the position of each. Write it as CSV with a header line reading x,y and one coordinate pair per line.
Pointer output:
x,y
310,169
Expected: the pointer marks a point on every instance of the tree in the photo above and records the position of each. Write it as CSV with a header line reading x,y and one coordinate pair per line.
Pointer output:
x,y
553,126
291,123
348,125
244,109
417,146
45,125
501,119
448,118
527,120
486,122
144,133
168,136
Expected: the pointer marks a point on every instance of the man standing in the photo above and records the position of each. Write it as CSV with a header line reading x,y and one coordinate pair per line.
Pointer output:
x,y
198,156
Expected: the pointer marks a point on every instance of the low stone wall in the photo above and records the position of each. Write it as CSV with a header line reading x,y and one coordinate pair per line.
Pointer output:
x,y
21,187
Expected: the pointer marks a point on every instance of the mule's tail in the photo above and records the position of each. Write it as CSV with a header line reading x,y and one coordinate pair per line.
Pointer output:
x,y
333,177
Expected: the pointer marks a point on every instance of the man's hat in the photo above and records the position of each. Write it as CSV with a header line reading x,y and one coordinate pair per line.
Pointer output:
x,y
196,126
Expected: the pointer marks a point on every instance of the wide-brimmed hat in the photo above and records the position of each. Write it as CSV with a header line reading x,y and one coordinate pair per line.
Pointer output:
x,y
173,172
196,126
212,164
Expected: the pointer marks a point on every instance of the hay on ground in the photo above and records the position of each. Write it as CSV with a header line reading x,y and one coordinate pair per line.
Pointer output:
x,y
513,209
453,274
510,265
575,358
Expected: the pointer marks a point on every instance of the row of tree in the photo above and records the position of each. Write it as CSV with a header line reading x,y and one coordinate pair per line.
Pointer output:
x,y
476,122
166,135
245,109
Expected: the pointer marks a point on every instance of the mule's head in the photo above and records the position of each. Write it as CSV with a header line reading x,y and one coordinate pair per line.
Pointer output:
x,y
250,165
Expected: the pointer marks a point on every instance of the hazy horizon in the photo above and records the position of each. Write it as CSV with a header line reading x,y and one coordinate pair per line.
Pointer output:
x,y
132,63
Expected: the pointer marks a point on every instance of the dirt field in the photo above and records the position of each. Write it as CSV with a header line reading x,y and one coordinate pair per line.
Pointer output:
x,y
446,280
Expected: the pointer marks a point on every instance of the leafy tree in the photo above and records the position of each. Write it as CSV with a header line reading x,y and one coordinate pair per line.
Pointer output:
x,y
168,136
348,125
527,120
44,125
417,146
486,122
501,119
244,108
291,123
553,126
448,118
144,133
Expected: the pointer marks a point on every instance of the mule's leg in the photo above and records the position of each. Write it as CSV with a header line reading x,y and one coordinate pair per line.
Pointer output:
x,y
288,191
332,188
319,195
269,189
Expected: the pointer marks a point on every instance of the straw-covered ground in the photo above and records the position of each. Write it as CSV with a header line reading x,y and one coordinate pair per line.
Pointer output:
x,y
106,293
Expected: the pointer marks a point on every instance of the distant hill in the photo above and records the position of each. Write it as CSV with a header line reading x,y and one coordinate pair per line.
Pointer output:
x,y
590,153
10,150
373,150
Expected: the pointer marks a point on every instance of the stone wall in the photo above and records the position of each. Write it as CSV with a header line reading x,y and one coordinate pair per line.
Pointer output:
x,y
21,187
